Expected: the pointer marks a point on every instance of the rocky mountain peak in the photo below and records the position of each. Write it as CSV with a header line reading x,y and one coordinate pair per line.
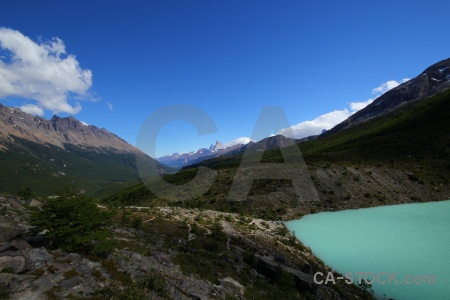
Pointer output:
x,y
57,131
217,146
433,80
66,124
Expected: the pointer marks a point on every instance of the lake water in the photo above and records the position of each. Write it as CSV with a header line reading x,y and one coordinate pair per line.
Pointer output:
x,y
411,239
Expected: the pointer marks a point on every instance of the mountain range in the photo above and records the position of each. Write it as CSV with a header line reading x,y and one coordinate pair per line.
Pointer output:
x,y
62,150
400,154
59,151
396,150
179,160
431,81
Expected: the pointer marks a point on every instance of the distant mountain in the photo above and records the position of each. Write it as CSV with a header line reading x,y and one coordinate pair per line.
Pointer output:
x,y
399,158
269,143
44,154
432,81
58,131
179,160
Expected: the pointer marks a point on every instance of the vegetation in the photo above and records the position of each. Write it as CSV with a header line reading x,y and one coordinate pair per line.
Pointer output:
x,y
45,168
414,139
137,290
74,223
367,289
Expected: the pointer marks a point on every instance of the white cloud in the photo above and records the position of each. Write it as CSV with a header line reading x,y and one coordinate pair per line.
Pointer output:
x,y
240,140
331,119
388,85
42,72
355,106
110,106
316,125
32,109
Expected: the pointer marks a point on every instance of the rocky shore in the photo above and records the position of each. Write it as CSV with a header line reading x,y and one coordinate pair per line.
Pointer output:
x,y
173,253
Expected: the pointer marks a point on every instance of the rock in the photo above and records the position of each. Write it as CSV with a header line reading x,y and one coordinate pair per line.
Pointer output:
x,y
58,252
34,203
84,291
232,285
15,264
198,296
75,256
254,273
84,268
269,268
13,253
37,258
16,282
9,231
136,256
15,245
38,240
219,291
71,282
161,257
29,295
46,282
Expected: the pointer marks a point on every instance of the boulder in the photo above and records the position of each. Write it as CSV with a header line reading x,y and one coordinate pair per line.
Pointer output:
x,y
161,257
46,282
15,282
15,264
84,268
12,253
34,203
75,257
14,246
232,285
135,256
71,282
268,267
9,231
37,258
219,291
254,274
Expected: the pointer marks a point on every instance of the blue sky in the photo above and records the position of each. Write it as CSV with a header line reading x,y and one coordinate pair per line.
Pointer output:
x,y
124,60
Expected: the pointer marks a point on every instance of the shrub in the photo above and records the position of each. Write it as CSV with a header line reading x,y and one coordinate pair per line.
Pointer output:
x,y
282,231
137,223
217,232
136,290
74,224
71,273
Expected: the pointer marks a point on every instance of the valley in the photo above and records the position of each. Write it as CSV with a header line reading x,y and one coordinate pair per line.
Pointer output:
x,y
78,222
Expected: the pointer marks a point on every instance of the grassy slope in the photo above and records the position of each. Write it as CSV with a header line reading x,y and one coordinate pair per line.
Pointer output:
x,y
420,131
40,168
415,139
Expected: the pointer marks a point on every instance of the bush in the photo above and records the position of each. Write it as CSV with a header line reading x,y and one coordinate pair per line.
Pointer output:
x,y
283,231
74,224
137,223
136,290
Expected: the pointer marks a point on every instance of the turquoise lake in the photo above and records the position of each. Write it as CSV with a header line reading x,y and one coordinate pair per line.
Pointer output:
x,y
411,239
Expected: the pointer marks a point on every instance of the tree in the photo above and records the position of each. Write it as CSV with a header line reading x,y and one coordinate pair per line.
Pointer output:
x,y
367,289
74,224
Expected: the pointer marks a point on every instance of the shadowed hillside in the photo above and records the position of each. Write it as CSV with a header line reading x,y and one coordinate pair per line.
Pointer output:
x,y
400,157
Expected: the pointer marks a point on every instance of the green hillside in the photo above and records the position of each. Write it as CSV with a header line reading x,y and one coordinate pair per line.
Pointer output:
x,y
415,140
45,168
